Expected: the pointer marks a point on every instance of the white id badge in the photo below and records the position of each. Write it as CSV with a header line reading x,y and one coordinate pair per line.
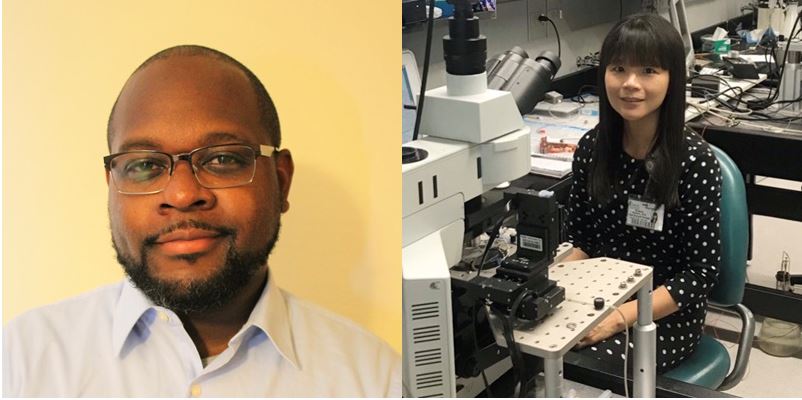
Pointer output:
x,y
642,213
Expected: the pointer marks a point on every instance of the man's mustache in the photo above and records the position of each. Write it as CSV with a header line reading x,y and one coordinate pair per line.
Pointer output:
x,y
151,240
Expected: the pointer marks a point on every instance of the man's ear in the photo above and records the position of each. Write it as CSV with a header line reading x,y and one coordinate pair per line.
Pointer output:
x,y
284,170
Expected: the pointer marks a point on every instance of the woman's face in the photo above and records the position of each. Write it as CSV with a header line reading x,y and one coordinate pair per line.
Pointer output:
x,y
636,91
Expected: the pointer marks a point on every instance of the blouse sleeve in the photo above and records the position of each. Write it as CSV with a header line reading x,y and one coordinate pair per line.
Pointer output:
x,y
697,230
581,227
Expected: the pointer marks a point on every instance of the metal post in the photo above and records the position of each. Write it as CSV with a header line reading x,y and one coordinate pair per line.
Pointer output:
x,y
645,368
790,87
553,373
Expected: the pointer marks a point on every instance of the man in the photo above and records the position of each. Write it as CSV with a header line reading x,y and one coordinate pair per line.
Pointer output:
x,y
197,184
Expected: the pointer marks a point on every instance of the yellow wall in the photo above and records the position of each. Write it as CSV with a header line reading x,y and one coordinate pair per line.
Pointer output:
x,y
331,68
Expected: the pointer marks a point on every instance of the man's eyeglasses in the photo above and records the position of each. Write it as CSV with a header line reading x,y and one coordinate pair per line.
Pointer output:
x,y
214,167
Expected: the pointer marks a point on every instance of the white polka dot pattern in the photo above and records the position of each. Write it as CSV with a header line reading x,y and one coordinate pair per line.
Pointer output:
x,y
685,255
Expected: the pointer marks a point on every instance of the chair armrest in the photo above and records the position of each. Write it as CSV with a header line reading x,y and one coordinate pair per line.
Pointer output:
x,y
744,344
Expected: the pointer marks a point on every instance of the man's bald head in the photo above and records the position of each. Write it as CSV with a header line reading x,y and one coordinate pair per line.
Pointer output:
x,y
268,114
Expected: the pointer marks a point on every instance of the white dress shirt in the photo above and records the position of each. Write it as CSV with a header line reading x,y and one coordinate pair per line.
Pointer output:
x,y
114,342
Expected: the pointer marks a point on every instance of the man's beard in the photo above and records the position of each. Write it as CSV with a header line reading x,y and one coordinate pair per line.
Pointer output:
x,y
209,294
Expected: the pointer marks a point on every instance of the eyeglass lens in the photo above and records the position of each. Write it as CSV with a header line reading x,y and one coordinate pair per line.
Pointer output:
x,y
214,167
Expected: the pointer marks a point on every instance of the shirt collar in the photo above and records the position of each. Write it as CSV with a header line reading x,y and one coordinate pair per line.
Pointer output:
x,y
131,306
270,315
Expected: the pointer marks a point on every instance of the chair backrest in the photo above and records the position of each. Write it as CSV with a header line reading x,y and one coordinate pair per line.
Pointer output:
x,y
734,233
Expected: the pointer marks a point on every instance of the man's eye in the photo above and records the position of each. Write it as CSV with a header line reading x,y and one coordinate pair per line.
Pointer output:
x,y
143,169
224,159
223,162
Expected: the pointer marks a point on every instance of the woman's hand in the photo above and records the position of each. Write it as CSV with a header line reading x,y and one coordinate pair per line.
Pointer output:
x,y
662,305
609,326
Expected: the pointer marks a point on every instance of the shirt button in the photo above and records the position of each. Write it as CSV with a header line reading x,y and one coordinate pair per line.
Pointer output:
x,y
195,390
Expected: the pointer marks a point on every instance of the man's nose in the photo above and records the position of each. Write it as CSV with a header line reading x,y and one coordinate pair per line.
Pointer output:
x,y
184,193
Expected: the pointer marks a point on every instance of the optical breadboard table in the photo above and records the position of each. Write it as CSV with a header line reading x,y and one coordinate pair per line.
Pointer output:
x,y
613,280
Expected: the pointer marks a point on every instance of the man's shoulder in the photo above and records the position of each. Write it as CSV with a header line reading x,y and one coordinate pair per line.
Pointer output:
x,y
328,342
57,334
305,315
93,307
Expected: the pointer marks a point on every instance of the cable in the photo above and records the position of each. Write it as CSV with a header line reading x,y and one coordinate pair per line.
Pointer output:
x,y
740,120
739,99
544,18
710,95
593,92
493,236
580,95
626,350
715,111
772,97
768,53
712,325
788,101
429,29
772,129
507,322
518,364
773,91
506,330
488,393
515,356
513,320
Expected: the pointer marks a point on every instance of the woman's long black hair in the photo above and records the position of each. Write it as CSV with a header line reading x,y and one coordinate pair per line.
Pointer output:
x,y
647,40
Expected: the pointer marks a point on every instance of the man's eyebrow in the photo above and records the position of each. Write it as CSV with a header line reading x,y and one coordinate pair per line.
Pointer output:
x,y
138,144
208,140
219,137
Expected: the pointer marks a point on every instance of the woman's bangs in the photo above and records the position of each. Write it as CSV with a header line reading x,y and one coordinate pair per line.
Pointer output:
x,y
637,47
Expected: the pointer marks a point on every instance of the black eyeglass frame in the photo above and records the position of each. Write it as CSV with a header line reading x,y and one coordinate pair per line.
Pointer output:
x,y
263,151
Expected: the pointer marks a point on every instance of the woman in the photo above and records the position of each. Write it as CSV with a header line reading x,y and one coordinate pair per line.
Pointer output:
x,y
646,190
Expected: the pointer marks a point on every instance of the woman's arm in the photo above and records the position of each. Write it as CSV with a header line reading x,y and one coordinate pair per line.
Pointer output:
x,y
576,255
697,234
662,305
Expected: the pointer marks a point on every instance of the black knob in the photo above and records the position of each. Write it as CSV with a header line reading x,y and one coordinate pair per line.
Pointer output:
x,y
598,303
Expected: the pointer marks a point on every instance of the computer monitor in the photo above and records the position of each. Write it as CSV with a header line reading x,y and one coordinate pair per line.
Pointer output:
x,y
410,88
676,13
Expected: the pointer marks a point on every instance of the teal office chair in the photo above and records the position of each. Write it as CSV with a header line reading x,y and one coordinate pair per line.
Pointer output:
x,y
709,365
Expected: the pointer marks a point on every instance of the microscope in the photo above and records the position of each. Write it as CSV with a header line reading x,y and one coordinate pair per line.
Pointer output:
x,y
475,139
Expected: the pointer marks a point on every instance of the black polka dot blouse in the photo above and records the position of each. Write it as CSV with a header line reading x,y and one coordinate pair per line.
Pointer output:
x,y
685,254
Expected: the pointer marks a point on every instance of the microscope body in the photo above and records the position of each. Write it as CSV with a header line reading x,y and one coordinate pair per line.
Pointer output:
x,y
434,191
472,139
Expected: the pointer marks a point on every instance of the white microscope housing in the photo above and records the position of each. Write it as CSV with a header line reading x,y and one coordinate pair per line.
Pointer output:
x,y
473,139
